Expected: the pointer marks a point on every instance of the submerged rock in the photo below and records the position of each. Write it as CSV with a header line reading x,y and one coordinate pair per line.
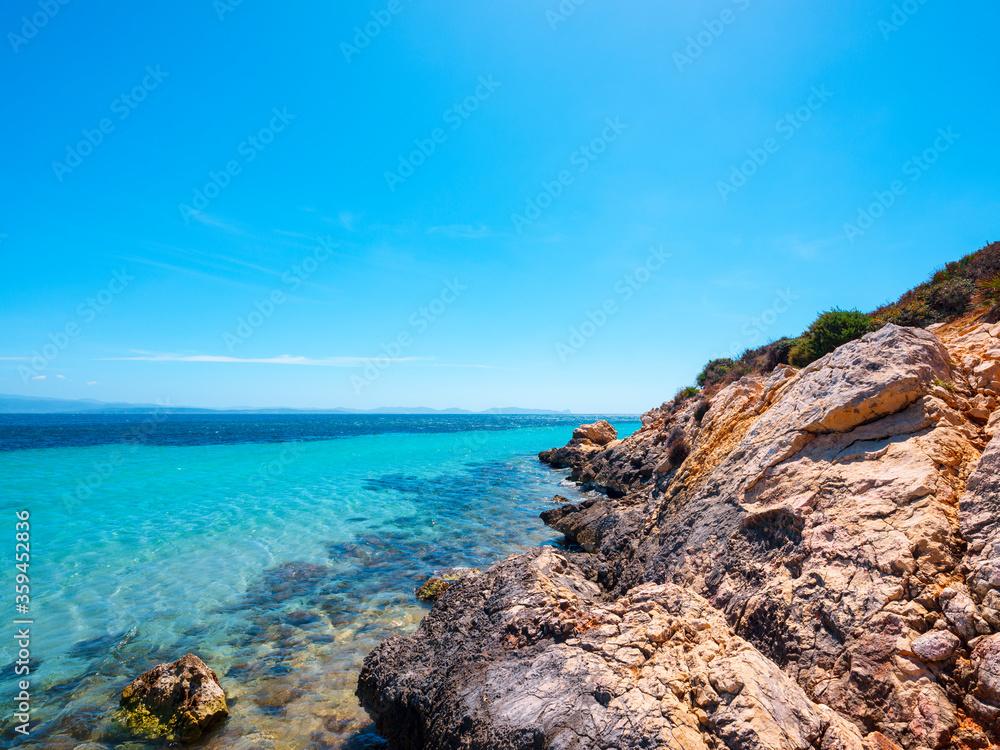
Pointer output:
x,y
432,589
435,586
176,701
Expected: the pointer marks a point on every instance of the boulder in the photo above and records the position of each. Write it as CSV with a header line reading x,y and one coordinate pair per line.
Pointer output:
x,y
599,433
937,645
179,701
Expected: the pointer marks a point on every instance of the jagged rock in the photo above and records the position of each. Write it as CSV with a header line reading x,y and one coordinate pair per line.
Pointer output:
x,y
587,440
937,645
176,701
983,702
819,527
962,613
528,656
599,433
979,510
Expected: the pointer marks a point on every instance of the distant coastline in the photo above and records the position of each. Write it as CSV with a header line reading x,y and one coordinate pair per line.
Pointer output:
x,y
10,404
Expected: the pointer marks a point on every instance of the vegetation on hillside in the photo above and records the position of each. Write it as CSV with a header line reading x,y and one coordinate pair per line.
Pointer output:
x,y
970,283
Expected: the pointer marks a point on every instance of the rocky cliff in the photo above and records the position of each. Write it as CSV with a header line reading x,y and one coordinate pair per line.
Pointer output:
x,y
809,560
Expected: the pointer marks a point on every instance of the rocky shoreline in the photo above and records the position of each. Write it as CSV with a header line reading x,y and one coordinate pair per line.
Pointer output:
x,y
811,559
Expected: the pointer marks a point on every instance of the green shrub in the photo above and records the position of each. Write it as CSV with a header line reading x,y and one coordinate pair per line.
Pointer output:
x,y
829,331
686,393
914,312
989,290
778,353
715,371
836,328
800,353
950,297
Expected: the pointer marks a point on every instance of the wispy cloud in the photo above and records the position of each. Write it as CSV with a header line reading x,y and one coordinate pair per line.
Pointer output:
x,y
188,271
475,367
39,377
464,231
809,249
61,377
344,219
284,359
92,382
218,223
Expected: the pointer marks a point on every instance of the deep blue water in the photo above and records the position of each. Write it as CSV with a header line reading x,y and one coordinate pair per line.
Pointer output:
x,y
278,548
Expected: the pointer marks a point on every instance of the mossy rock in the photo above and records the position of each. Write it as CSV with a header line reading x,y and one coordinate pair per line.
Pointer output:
x,y
177,702
432,590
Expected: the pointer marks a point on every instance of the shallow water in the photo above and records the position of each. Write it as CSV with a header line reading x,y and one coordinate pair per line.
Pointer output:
x,y
279,549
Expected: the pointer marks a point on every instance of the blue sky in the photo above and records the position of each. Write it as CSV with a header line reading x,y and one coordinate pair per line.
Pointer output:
x,y
485,204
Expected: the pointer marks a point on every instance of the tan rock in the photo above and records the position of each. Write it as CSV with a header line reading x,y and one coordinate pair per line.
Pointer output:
x,y
177,701
599,433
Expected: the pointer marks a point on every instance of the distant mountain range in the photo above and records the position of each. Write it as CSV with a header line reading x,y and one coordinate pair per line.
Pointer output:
x,y
35,405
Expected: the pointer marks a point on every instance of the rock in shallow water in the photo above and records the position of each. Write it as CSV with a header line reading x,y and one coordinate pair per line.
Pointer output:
x,y
176,701
435,586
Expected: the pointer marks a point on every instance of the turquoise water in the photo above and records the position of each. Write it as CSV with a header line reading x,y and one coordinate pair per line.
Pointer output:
x,y
281,564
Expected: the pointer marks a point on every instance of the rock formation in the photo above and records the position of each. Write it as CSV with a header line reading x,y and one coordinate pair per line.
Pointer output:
x,y
810,560
179,701
587,440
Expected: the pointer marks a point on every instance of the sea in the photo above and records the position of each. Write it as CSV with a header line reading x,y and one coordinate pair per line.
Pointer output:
x,y
278,548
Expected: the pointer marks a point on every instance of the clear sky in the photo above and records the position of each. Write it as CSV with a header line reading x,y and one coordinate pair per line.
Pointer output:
x,y
463,190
